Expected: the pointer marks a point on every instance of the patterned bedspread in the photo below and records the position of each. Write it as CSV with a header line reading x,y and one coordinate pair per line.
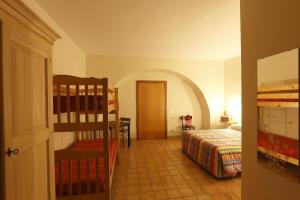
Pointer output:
x,y
216,150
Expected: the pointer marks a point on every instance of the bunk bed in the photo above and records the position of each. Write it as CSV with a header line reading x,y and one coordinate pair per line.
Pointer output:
x,y
278,145
84,105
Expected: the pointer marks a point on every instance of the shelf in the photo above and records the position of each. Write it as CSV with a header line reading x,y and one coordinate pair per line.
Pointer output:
x,y
229,122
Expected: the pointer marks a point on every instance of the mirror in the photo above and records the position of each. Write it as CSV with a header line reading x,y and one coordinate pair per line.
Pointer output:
x,y
278,113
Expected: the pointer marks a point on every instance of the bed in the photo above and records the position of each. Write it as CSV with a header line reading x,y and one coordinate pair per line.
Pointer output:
x,y
84,105
218,151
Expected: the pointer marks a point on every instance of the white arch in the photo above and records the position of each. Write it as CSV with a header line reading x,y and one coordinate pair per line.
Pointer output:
x,y
205,119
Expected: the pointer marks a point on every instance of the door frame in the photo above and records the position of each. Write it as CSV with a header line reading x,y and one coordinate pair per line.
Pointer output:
x,y
137,105
2,173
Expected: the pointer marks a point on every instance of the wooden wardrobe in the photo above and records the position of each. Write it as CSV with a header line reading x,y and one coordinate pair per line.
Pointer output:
x,y
27,156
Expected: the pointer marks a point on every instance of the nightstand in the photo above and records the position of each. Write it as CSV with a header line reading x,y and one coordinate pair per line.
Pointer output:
x,y
226,124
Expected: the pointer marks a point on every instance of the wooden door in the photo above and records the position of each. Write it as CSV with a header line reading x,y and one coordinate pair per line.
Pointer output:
x,y
27,106
151,109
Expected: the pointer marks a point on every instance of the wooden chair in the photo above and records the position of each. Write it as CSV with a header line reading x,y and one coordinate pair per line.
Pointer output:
x,y
125,129
186,123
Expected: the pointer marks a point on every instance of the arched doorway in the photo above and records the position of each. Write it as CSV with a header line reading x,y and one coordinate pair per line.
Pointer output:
x,y
184,97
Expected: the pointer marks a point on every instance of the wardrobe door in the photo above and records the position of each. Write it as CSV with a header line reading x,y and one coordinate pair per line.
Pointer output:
x,y
29,165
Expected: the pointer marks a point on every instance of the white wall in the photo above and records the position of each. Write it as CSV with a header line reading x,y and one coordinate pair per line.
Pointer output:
x,y
206,75
68,58
181,100
284,67
233,84
268,28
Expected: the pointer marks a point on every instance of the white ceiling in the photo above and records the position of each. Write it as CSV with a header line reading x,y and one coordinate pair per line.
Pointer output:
x,y
196,29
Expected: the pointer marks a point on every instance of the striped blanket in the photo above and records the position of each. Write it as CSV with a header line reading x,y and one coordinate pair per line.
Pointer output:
x,y
216,150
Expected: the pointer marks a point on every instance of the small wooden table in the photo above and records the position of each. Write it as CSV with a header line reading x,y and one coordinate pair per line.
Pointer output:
x,y
229,123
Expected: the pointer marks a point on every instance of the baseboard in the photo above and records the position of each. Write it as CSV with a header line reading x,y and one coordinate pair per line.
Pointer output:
x,y
174,133
170,134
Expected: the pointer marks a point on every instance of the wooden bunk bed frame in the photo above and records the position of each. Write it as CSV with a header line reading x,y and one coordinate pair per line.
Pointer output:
x,y
284,95
81,99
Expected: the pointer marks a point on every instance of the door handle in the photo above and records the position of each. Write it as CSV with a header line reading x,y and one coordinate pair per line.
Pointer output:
x,y
11,152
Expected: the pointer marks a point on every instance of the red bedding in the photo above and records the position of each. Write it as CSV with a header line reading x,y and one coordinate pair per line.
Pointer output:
x,y
283,145
86,145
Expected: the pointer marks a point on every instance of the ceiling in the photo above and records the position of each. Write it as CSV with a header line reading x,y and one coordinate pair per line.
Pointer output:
x,y
191,29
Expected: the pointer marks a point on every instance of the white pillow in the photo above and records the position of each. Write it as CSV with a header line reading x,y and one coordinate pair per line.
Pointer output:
x,y
237,127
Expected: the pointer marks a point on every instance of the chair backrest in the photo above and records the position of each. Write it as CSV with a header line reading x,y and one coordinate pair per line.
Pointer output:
x,y
186,120
125,126
125,119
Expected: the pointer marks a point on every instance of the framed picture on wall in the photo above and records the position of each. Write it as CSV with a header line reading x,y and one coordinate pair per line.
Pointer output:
x,y
278,113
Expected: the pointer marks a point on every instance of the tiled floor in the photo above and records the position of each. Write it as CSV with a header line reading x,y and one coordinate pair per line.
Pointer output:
x,y
157,169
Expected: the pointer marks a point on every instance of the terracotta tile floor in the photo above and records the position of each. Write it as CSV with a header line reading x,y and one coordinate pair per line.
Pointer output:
x,y
157,169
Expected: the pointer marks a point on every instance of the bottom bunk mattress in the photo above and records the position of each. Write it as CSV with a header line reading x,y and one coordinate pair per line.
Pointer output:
x,y
87,175
283,147
216,150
